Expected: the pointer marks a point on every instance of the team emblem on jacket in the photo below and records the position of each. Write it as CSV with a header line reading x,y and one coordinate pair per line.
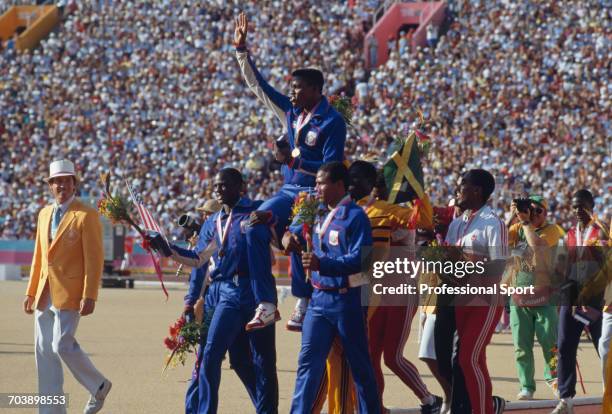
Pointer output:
x,y
71,236
311,138
333,237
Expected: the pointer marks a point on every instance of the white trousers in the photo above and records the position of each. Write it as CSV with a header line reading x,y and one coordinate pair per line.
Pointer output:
x,y
55,342
604,341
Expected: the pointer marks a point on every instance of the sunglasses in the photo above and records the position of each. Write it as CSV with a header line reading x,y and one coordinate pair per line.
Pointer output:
x,y
538,210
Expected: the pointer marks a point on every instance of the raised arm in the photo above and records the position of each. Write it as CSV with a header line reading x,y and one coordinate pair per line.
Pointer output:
x,y
278,103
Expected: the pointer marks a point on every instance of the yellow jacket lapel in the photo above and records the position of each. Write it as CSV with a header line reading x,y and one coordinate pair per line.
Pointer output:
x,y
45,223
66,220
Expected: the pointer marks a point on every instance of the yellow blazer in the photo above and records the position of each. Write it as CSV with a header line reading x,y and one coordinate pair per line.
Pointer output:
x,y
73,262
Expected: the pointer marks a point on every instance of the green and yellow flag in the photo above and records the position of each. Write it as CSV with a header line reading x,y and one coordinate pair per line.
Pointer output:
x,y
404,175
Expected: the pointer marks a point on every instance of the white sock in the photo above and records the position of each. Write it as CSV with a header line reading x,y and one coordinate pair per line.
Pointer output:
x,y
428,400
268,307
302,304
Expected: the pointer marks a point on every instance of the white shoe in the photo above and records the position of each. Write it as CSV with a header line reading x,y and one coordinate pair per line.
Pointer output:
x,y
524,395
96,402
564,407
296,320
263,317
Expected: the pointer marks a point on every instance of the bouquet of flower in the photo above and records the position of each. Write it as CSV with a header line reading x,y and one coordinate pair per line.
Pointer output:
x,y
305,211
184,339
423,140
344,106
439,250
423,144
116,208
554,360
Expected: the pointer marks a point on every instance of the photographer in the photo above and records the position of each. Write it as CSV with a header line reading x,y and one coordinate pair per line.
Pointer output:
x,y
531,239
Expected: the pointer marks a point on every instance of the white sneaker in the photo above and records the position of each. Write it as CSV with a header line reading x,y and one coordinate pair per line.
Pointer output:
x,y
296,320
524,395
96,402
263,317
564,407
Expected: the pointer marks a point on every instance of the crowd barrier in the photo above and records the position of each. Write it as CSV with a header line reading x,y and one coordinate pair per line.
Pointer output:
x,y
16,257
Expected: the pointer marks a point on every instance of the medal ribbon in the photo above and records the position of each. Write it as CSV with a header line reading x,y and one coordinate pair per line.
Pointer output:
x,y
321,229
303,120
223,231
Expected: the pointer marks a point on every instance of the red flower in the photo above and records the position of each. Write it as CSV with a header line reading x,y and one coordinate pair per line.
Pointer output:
x,y
421,136
170,344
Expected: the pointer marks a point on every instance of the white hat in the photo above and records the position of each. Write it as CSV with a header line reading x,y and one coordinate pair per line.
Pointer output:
x,y
61,168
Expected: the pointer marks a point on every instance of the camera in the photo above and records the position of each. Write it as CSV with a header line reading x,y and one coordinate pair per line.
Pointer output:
x,y
191,225
523,205
282,142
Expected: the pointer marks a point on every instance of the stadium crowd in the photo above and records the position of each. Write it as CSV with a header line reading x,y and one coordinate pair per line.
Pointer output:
x,y
152,91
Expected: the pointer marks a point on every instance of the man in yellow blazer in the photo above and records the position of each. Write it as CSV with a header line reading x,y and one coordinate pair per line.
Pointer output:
x,y
64,281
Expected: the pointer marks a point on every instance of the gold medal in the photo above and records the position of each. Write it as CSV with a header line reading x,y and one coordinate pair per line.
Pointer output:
x,y
295,153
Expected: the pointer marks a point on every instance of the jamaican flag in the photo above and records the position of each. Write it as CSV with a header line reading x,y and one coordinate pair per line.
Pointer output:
x,y
404,175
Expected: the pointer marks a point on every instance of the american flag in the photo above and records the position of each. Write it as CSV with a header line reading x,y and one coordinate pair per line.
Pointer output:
x,y
146,217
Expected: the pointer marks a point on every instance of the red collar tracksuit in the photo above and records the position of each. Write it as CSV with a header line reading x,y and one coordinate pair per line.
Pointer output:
x,y
570,329
483,235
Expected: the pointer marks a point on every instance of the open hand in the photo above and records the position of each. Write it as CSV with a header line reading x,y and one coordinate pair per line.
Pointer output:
x,y
241,29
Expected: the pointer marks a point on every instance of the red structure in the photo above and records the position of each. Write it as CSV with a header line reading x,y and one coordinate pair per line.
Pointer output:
x,y
397,16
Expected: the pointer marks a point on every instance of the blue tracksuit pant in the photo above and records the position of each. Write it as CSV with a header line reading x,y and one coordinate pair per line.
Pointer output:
x,y
233,310
331,313
239,357
258,245
568,337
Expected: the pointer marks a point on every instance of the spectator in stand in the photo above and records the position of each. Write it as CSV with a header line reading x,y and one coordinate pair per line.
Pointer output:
x,y
432,35
112,75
